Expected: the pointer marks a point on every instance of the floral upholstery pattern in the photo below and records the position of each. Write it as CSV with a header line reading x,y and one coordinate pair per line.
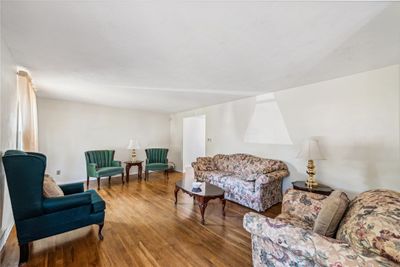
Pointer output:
x,y
299,204
205,164
288,240
379,231
295,221
247,164
248,180
208,176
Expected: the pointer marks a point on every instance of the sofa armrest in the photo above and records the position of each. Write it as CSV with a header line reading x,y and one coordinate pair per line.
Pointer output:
x,y
116,163
73,188
194,165
302,204
265,179
66,202
91,169
323,251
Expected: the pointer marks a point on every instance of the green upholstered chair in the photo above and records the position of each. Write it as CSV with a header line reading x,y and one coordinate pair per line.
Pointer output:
x,y
156,161
38,217
101,163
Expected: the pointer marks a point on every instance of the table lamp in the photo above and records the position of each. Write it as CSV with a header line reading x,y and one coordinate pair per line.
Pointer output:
x,y
133,144
310,151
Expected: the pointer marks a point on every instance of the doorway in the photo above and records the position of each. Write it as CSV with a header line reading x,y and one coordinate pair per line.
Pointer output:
x,y
194,139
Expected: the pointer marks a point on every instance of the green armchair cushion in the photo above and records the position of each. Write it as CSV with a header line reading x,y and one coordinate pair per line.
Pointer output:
x,y
66,202
157,166
108,171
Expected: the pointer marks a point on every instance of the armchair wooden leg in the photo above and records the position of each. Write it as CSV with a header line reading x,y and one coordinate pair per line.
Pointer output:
x,y
146,175
109,179
100,231
87,183
23,253
98,183
122,177
167,174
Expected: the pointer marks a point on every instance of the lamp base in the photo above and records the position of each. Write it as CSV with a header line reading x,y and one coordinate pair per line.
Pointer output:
x,y
133,155
311,182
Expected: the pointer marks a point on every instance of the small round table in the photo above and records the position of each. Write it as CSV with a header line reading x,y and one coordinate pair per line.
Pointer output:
x,y
129,164
206,193
319,189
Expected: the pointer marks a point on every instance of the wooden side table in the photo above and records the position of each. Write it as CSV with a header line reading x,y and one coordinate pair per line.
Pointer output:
x,y
320,189
128,166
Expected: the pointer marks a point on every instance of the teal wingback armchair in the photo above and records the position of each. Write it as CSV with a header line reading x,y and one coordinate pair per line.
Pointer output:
x,y
38,217
156,161
101,163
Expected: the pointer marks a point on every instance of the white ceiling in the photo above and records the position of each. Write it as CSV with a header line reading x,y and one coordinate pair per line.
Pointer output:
x,y
174,56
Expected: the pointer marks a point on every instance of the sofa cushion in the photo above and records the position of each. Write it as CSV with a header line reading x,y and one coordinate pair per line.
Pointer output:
x,y
205,164
331,213
251,177
235,183
245,164
371,224
209,176
50,188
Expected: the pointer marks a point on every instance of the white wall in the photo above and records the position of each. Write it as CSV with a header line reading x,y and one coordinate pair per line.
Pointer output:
x,y
8,132
194,139
356,119
68,129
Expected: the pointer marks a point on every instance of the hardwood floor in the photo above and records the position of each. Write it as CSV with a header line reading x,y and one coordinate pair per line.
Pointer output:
x,y
143,227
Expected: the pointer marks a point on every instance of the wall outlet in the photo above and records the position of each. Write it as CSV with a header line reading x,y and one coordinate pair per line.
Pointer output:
x,y
58,172
209,139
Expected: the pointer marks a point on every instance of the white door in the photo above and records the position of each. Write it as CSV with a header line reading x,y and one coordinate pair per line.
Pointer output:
x,y
194,139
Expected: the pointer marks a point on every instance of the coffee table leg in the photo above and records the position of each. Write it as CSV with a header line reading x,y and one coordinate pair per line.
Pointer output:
x,y
203,205
176,194
223,206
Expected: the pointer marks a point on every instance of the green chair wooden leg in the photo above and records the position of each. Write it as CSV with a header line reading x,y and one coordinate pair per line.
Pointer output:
x,y
98,183
100,234
23,253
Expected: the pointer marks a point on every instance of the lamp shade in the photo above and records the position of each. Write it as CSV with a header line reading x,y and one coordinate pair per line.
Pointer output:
x,y
310,150
133,144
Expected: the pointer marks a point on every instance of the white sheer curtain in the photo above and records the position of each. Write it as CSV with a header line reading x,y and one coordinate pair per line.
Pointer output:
x,y
27,108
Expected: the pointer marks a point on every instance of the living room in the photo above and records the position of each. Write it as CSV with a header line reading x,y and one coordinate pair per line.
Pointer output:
x,y
217,133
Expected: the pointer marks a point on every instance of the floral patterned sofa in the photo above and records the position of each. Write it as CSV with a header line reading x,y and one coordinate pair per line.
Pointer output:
x,y
248,180
368,235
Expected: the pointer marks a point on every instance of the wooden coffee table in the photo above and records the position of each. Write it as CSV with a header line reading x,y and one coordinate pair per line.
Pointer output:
x,y
208,192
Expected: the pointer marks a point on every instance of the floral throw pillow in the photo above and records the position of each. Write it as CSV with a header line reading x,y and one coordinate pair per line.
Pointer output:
x,y
371,225
205,164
